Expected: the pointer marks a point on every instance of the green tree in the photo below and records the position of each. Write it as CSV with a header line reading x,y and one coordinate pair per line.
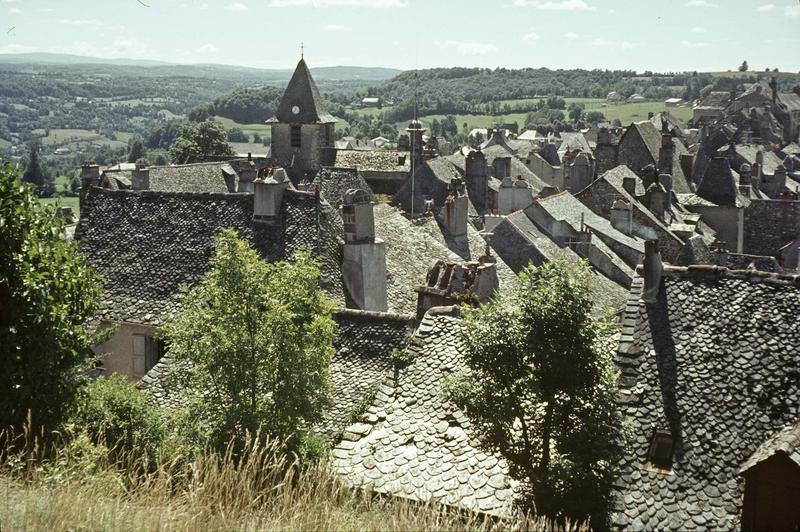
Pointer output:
x,y
118,415
575,111
47,294
744,67
258,339
257,138
204,138
593,117
541,391
235,134
136,152
36,172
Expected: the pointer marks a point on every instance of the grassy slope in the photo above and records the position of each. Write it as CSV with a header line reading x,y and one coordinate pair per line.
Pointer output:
x,y
65,201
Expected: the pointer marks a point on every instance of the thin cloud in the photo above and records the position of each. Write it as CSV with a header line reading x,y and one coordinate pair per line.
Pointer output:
x,y
701,3
571,35
81,22
556,5
621,45
793,12
236,7
469,48
532,36
697,29
15,11
369,4
694,44
766,8
208,48
335,27
16,49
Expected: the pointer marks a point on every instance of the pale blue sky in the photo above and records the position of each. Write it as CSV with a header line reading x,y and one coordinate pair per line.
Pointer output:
x,y
638,34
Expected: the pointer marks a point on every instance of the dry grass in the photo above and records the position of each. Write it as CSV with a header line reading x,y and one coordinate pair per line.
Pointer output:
x,y
77,488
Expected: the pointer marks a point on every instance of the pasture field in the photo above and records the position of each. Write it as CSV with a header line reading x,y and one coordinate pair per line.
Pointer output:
x,y
64,201
263,129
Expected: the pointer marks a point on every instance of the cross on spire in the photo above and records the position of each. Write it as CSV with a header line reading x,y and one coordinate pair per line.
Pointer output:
x,y
301,50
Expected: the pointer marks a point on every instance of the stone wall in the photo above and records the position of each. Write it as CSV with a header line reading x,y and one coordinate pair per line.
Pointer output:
x,y
769,225
552,175
633,151
308,157
728,222
118,355
601,195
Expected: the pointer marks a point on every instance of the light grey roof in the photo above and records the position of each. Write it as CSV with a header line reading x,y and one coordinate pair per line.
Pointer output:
x,y
374,161
413,444
785,441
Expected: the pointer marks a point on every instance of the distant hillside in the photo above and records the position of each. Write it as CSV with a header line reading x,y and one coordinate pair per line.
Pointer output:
x,y
161,68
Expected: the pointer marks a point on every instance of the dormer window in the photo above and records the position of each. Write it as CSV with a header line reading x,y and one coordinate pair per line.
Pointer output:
x,y
661,447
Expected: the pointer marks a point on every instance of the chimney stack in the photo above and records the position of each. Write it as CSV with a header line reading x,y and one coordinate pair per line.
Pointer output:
x,y
449,283
744,179
652,269
629,184
247,175
364,256
90,176
656,198
622,215
456,209
268,190
477,180
140,178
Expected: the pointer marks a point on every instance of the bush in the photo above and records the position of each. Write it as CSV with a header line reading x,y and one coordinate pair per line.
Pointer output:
x,y
118,415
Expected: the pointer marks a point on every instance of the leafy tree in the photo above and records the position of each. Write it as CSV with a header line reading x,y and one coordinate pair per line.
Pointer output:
x,y
36,172
47,294
258,339
555,102
593,117
204,138
541,391
137,151
575,111
257,138
744,67
116,414
235,134
160,160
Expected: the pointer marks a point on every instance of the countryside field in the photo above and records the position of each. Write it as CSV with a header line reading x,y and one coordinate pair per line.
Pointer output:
x,y
64,201
78,138
263,130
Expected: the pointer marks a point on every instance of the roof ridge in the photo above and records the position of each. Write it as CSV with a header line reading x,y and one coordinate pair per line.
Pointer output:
x,y
371,314
713,272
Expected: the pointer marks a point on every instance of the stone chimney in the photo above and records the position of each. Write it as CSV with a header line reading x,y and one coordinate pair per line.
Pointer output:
x,y
501,167
415,131
247,175
652,268
629,184
779,179
622,215
477,179
363,256
140,178
666,182
687,165
268,191
513,195
744,179
456,209
666,154
656,199
90,177
579,173
450,283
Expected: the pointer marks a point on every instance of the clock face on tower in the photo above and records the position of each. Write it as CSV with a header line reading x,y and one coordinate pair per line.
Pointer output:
x,y
295,109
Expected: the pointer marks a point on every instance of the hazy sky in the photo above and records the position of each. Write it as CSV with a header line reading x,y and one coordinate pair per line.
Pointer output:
x,y
638,34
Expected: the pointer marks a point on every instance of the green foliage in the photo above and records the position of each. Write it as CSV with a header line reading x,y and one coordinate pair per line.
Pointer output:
x,y
744,67
237,135
541,391
47,294
36,172
256,340
205,138
113,412
137,151
246,106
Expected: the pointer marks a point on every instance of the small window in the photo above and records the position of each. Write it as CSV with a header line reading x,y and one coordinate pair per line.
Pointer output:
x,y
147,351
296,136
661,447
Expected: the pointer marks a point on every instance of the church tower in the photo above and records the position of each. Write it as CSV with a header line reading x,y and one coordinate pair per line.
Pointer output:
x,y
302,132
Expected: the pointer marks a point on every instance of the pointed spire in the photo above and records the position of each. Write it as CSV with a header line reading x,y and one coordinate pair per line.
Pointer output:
x,y
301,102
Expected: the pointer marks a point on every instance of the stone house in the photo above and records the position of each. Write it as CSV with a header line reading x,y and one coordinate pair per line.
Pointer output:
x,y
706,381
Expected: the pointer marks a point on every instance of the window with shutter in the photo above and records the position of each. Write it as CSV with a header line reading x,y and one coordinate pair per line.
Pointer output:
x,y
139,353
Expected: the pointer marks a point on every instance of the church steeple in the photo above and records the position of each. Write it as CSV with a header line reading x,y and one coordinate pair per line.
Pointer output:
x,y
301,102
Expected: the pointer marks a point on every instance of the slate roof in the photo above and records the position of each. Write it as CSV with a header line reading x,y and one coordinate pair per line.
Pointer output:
x,y
412,444
574,141
335,182
196,177
374,161
748,153
430,180
146,244
303,92
361,362
714,360
790,100
717,184
518,242
786,441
